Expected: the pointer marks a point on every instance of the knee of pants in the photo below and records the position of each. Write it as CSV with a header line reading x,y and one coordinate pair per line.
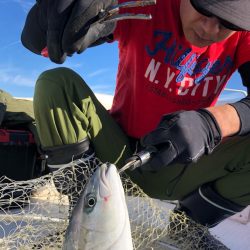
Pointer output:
x,y
52,80
56,85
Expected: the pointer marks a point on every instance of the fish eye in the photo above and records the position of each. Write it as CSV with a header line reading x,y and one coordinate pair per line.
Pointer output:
x,y
90,202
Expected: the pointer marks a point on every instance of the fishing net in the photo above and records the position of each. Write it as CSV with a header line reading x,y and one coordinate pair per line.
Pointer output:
x,y
34,215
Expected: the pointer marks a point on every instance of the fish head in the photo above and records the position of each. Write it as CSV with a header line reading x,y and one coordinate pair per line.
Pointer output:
x,y
100,218
103,199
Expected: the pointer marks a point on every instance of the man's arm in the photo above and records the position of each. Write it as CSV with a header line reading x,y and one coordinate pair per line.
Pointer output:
x,y
235,118
184,136
227,118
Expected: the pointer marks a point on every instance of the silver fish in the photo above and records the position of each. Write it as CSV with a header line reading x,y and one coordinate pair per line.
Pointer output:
x,y
100,219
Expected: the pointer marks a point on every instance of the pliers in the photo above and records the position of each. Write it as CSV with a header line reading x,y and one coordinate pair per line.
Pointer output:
x,y
112,13
138,159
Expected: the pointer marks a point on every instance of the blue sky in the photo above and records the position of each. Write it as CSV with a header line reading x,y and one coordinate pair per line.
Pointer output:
x,y
19,68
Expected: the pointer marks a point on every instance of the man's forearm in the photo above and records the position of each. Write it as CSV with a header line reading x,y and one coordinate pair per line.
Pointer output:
x,y
234,118
227,118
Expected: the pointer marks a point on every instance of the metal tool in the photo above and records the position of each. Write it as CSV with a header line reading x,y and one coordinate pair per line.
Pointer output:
x,y
112,13
137,160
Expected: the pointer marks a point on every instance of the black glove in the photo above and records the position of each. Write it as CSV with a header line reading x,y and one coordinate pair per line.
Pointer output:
x,y
65,26
44,27
34,33
82,30
243,109
182,137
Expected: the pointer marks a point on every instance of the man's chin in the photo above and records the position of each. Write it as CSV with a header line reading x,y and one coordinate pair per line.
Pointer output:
x,y
199,42
200,45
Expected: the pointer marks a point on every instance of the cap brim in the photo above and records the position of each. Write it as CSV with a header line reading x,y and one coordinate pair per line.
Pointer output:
x,y
236,12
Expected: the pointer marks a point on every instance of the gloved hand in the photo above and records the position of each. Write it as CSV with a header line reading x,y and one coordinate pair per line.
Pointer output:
x,y
65,26
182,137
44,27
81,29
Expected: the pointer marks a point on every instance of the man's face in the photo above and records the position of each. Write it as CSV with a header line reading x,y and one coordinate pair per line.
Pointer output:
x,y
200,30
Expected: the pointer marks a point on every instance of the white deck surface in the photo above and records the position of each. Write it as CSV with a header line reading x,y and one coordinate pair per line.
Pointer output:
x,y
234,232
234,235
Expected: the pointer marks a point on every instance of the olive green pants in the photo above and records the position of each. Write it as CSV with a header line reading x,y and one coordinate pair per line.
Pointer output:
x,y
67,111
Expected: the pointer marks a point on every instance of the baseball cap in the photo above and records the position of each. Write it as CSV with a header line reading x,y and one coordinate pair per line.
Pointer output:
x,y
236,12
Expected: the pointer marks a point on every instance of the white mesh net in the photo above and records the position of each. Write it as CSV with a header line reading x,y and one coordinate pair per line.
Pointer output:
x,y
34,215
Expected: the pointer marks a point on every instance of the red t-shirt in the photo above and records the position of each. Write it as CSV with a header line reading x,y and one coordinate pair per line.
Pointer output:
x,y
161,72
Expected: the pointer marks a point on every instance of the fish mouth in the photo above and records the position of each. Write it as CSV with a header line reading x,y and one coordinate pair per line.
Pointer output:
x,y
105,187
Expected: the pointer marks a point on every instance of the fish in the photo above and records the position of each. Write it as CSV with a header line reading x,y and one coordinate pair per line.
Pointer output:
x,y
100,219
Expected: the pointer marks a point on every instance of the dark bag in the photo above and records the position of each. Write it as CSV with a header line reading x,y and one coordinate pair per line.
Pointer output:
x,y
18,154
20,157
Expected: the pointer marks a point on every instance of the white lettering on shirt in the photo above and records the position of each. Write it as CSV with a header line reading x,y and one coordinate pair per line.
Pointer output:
x,y
220,81
170,77
187,86
206,84
186,83
152,70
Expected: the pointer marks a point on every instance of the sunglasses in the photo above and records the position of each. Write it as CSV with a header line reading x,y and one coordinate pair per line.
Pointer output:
x,y
224,23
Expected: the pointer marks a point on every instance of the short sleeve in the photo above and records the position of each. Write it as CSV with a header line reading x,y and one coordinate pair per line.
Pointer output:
x,y
243,49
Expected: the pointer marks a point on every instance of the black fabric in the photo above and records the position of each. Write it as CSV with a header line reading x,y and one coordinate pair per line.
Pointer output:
x,y
3,106
34,33
243,109
19,161
182,137
207,207
65,27
213,125
19,154
102,40
44,27
59,12
20,157
82,28
233,11
243,106
2,111
244,71
63,154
